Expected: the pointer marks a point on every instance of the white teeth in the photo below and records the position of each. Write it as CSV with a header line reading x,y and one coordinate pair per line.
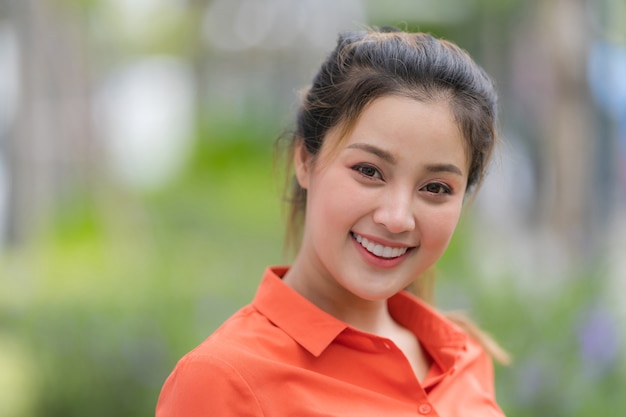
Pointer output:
x,y
378,249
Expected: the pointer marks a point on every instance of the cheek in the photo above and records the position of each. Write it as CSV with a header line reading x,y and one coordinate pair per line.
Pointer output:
x,y
330,204
440,226
336,198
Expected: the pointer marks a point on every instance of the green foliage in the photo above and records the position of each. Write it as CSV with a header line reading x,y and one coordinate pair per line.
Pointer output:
x,y
565,342
94,316
122,285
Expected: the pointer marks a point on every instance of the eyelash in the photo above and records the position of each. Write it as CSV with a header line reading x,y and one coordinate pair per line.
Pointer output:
x,y
375,174
442,188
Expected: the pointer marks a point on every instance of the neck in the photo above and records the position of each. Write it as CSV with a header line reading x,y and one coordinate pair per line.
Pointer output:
x,y
371,316
367,316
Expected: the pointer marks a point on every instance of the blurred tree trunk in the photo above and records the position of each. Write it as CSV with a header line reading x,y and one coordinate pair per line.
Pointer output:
x,y
49,146
567,145
198,56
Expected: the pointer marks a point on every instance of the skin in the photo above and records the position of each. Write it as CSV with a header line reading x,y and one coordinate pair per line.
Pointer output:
x,y
398,179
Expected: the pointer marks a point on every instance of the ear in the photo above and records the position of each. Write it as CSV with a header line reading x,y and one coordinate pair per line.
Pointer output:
x,y
302,162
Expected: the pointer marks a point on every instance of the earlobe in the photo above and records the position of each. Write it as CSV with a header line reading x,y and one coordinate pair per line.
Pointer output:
x,y
302,162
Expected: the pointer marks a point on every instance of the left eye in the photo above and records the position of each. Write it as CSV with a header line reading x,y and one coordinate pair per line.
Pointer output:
x,y
437,188
368,171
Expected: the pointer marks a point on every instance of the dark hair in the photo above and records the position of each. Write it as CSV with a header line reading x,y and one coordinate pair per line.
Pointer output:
x,y
367,65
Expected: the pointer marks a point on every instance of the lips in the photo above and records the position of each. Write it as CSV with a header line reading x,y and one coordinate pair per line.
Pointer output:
x,y
378,249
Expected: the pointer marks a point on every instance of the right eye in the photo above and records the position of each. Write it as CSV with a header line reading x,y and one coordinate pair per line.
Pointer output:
x,y
368,171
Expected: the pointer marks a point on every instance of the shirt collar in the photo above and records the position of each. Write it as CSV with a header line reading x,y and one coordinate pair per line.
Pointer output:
x,y
311,327
315,329
442,339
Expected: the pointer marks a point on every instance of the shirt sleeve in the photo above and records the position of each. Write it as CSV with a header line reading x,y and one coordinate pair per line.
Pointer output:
x,y
201,386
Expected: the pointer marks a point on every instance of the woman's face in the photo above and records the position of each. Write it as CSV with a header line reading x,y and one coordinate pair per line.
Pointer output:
x,y
382,207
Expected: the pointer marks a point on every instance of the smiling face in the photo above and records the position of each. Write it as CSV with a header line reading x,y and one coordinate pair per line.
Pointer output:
x,y
383,204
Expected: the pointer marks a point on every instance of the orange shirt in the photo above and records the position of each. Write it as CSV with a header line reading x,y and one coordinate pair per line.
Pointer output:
x,y
283,356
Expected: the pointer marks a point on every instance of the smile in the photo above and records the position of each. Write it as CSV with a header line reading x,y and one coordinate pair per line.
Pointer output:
x,y
378,249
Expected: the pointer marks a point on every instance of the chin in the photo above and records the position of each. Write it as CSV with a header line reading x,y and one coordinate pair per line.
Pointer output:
x,y
380,294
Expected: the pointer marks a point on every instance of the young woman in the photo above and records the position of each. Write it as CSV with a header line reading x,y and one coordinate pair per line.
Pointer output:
x,y
393,134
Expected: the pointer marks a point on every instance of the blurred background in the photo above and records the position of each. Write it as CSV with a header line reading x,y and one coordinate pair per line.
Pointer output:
x,y
140,197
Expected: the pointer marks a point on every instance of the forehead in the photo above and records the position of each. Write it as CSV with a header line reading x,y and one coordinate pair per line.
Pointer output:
x,y
404,124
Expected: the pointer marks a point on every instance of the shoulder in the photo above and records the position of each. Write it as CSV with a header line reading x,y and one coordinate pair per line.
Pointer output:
x,y
238,340
474,363
209,379
202,385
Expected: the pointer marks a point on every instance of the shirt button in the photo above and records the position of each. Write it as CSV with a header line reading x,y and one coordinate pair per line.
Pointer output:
x,y
424,408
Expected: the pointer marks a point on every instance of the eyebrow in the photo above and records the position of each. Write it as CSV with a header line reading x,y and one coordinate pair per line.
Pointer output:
x,y
445,168
386,156
381,153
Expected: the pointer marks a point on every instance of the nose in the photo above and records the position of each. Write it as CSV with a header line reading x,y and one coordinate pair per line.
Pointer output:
x,y
396,211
